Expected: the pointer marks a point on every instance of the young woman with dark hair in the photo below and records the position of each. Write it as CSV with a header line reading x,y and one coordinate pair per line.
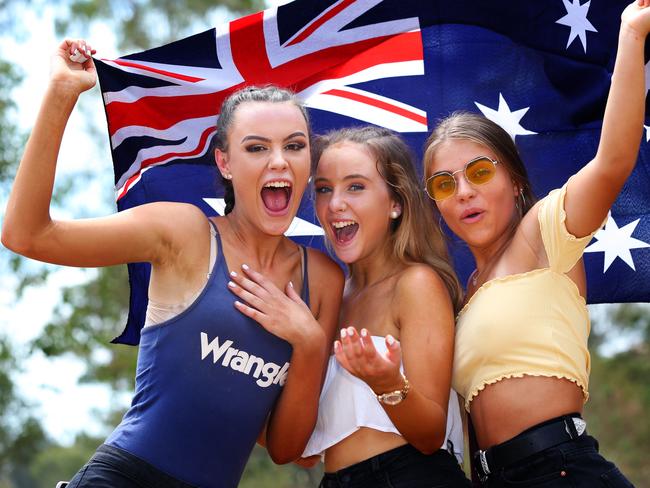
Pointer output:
x,y
212,372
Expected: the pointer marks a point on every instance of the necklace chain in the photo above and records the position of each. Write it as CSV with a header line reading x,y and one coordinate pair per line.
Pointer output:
x,y
475,275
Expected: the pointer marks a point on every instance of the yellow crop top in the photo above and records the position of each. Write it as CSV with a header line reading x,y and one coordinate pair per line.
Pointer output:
x,y
534,323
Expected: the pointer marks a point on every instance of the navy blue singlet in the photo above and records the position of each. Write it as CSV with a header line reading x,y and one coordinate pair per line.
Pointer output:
x,y
206,381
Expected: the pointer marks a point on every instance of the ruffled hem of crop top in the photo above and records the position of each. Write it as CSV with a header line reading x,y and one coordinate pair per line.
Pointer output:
x,y
347,404
543,374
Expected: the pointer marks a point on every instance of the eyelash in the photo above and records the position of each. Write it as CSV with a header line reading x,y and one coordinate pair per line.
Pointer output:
x,y
292,146
326,189
295,146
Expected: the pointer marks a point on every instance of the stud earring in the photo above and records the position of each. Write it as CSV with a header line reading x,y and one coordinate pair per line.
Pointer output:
x,y
394,214
228,176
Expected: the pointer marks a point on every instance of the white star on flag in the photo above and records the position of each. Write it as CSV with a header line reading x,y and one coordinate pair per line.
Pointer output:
x,y
647,132
508,120
576,19
298,227
616,242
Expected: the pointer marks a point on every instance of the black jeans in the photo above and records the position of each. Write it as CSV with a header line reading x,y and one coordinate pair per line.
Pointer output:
x,y
111,467
572,464
402,467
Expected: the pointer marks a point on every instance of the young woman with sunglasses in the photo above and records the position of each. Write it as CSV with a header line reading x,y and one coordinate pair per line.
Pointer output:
x,y
211,371
386,416
521,360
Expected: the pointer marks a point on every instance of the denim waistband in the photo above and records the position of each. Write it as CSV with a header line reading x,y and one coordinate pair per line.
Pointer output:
x,y
382,461
136,468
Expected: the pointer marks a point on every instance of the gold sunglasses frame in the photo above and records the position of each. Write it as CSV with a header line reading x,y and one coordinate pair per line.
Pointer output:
x,y
453,176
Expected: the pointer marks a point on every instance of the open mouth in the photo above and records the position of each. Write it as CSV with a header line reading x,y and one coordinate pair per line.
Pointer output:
x,y
276,196
471,215
345,230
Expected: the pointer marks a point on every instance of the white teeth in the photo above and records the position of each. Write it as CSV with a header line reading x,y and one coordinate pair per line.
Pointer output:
x,y
277,184
342,223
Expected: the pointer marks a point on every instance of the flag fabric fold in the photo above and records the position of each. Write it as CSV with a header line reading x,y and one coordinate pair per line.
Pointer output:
x,y
541,70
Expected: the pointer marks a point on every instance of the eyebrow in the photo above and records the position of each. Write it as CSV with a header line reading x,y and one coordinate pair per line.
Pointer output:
x,y
266,139
348,177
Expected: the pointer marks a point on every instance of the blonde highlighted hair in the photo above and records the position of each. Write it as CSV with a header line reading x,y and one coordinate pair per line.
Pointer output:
x,y
414,236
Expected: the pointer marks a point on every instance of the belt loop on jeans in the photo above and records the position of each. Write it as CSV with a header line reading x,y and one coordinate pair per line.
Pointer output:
x,y
484,472
570,427
375,465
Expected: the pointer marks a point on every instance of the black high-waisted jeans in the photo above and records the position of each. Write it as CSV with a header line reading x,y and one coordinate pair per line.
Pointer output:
x,y
111,467
572,464
402,467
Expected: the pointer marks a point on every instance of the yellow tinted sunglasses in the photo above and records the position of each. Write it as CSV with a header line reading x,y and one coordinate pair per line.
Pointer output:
x,y
478,171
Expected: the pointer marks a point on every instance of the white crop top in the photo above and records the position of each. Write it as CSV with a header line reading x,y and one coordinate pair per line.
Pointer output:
x,y
347,404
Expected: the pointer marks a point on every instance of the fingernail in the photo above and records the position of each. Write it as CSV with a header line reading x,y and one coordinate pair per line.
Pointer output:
x,y
344,333
291,284
351,330
233,274
237,302
244,266
337,346
231,284
390,339
364,333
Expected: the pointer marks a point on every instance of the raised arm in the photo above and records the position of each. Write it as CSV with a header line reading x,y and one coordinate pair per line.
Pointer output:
x,y
310,332
140,234
592,191
426,322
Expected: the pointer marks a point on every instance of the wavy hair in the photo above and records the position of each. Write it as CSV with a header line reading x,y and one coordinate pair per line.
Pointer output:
x,y
414,237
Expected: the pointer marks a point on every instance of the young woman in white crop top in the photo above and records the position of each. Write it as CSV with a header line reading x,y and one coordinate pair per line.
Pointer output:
x,y
521,359
383,417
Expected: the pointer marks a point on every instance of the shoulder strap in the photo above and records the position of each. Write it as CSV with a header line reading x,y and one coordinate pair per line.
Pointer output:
x,y
304,293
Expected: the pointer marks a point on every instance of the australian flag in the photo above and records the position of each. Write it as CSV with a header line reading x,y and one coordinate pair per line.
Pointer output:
x,y
541,70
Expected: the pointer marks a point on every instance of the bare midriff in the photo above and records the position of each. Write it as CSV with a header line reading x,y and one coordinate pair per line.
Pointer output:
x,y
361,445
507,408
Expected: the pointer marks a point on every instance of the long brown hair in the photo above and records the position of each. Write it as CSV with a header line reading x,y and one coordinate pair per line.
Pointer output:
x,y
481,130
414,237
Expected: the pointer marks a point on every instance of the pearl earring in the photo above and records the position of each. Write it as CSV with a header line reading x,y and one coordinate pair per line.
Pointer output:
x,y
394,214
228,176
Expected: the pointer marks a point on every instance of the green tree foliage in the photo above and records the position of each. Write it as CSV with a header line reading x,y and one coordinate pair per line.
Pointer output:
x,y
11,140
21,435
617,411
84,323
141,24
57,463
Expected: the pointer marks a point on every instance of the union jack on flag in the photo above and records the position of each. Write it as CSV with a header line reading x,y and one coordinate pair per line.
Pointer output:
x,y
539,69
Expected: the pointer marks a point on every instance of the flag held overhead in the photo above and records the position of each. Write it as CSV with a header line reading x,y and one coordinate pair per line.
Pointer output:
x,y
539,69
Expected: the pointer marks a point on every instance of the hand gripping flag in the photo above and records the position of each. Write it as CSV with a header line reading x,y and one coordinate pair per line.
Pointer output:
x,y
541,70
